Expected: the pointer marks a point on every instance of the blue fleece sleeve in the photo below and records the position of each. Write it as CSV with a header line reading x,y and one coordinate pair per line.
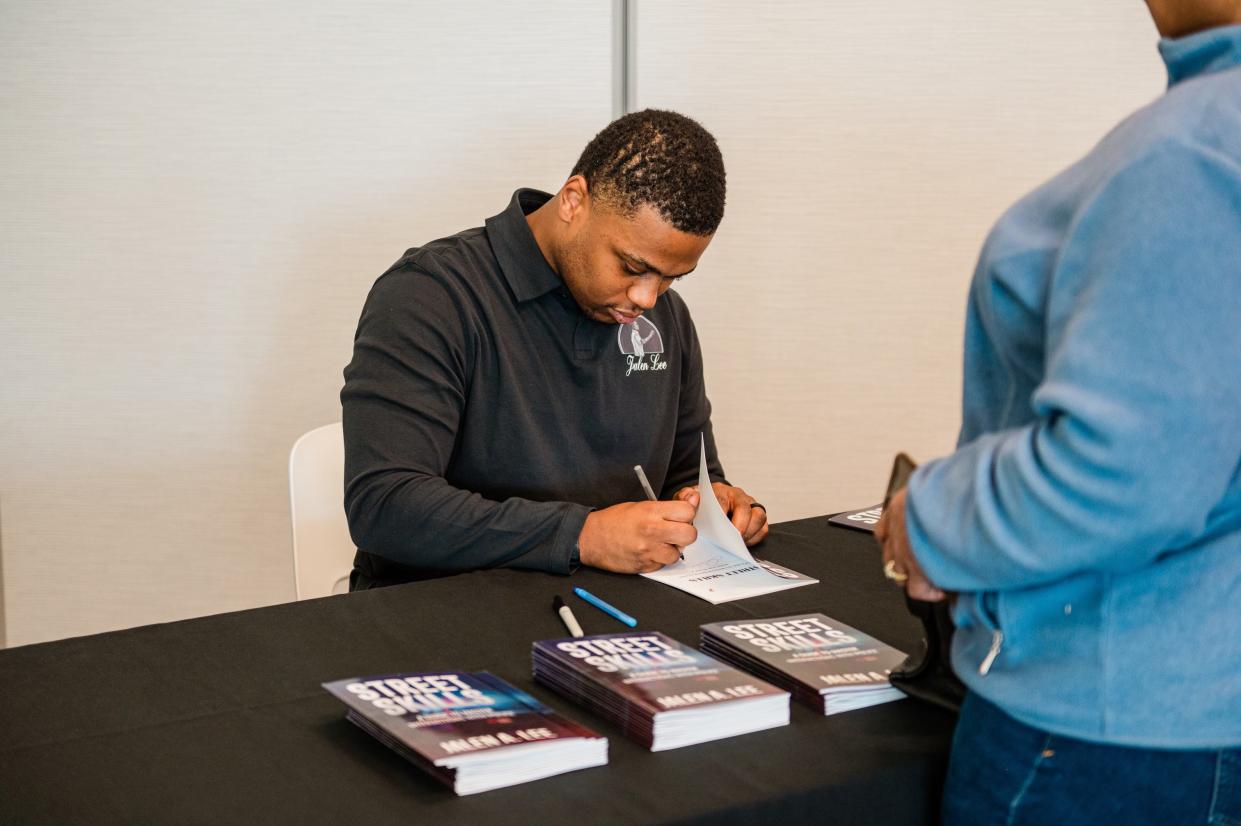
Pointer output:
x,y
1137,421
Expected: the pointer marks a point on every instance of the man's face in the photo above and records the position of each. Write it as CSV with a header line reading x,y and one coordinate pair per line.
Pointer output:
x,y
617,266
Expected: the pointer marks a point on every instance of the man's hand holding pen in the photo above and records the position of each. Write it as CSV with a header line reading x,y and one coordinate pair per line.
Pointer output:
x,y
641,537
637,537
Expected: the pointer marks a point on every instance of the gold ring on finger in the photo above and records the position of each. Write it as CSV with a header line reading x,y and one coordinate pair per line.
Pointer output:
x,y
889,570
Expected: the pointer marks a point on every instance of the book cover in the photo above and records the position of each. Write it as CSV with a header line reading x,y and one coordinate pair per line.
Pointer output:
x,y
443,715
813,649
861,520
648,671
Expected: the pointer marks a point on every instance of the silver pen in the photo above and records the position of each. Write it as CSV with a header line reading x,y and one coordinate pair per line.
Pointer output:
x,y
646,486
646,483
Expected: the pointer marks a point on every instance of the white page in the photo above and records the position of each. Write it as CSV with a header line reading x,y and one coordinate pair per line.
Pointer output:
x,y
718,566
714,526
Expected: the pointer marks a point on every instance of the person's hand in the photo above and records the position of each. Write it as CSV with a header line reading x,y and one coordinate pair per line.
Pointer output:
x,y
749,520
893,537
637,537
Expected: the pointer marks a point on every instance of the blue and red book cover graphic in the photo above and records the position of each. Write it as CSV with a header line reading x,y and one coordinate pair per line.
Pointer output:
x,y
471,730
658,691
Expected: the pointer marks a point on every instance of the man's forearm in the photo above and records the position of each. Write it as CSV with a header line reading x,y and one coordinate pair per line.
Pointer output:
x,y
422,520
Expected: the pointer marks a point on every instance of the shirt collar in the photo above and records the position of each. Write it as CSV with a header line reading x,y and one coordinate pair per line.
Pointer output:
x,y
1201,53
522,262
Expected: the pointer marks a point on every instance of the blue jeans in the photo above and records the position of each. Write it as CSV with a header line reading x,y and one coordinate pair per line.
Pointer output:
x,y
1005,773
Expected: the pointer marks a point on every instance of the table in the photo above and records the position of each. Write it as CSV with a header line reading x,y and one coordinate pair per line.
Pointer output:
x,y
221,719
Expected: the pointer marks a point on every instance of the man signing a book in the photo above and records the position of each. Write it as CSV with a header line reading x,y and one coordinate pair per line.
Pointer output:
x,y
506,380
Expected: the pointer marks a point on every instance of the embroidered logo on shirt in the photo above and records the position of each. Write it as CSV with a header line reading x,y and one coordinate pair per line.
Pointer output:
x,y
641,344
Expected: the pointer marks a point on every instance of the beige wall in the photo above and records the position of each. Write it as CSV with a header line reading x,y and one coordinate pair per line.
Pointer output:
x,y
197,196
869,146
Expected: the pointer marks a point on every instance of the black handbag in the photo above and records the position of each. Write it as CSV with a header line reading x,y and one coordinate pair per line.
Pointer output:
x,y
927,675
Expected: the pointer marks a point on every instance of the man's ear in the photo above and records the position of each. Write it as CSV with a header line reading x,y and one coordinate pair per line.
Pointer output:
x,y
573,199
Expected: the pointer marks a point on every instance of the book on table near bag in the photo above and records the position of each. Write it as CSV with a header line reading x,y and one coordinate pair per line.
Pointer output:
x,y
663,694
860,520
471,731
825,664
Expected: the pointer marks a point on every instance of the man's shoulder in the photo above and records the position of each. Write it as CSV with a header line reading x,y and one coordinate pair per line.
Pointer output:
x,y
453,258
1196,122
460,266
448,280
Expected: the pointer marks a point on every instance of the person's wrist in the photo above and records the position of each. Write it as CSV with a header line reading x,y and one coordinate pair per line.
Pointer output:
x,y
584,547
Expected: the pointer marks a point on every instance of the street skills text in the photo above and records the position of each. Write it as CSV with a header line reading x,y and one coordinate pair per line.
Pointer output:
x,y
625,653
790,635
418,695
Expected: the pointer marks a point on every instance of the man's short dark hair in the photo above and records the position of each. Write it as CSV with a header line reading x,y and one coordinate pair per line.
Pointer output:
x,y
659,158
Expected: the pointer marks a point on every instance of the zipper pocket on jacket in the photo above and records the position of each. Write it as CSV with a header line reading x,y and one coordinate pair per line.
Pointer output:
x,y
997,641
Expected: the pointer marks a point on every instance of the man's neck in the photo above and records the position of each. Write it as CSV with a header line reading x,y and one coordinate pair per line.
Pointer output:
x,y
542,227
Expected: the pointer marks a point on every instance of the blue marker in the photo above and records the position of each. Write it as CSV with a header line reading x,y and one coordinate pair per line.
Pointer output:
x,y
605,608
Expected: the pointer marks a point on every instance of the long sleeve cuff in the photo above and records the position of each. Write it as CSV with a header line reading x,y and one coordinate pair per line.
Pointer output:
x,y
563,551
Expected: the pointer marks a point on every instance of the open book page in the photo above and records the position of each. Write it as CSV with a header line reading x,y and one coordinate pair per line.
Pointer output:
x,y
718,567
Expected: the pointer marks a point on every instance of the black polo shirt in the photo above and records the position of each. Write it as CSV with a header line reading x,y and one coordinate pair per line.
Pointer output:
x,y
485,415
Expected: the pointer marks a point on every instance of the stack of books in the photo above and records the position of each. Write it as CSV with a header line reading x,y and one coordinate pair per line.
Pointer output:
x,y
471,731
824,663
661,693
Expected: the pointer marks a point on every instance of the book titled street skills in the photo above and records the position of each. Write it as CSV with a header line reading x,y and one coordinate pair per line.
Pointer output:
x,y
661,693
717,566
826,664
471,731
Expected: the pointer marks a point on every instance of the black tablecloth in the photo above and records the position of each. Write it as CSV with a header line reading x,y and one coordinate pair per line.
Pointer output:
x,y
221,719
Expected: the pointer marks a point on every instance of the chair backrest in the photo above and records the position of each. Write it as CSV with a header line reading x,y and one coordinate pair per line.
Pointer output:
x,y
322,549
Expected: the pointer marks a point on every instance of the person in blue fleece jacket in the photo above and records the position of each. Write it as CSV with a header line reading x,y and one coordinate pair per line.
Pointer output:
x,y
1088,526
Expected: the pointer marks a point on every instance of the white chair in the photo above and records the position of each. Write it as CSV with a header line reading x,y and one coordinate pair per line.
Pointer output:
x,y
322,549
